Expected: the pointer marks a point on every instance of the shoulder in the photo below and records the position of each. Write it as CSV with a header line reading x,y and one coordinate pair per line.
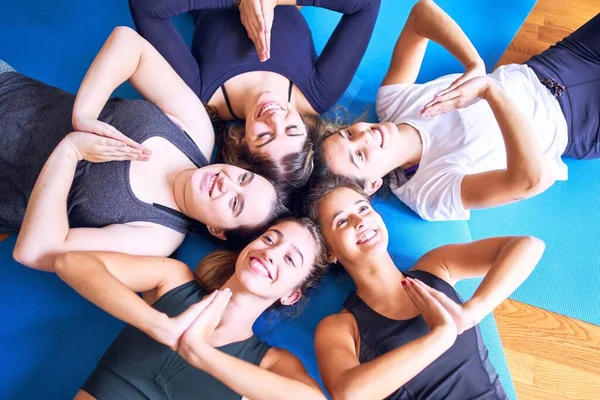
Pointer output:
x,y
337,324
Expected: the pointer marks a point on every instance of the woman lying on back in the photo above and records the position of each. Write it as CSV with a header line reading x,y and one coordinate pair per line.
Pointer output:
x,y
473,140
60,193
408,334
195,341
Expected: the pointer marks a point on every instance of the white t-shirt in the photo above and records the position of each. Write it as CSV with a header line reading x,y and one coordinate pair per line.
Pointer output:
x,y
469,140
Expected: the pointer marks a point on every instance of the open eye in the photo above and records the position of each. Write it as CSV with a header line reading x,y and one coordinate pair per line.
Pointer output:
x,y
360,155
268,240
349,133
243,178
363,209
340,222
235,203
290,260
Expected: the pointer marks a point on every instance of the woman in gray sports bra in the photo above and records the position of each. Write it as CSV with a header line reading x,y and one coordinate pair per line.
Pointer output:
x,y
59,191
191,344
407,334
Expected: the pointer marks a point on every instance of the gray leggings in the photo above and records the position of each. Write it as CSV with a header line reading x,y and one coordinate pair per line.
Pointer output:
x,y
4,67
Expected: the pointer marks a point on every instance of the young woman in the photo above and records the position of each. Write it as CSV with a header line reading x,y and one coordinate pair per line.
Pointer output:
x,y
263,70
490,153
132,207
222,359
407,334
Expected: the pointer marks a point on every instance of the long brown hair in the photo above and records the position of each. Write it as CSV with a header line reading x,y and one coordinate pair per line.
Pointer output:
x,y
217,267
295,169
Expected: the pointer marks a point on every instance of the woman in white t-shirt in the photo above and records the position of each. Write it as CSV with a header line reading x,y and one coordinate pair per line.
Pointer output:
x,y
467,153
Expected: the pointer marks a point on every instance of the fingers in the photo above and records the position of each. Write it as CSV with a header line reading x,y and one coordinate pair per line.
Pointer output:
x,y
216,308
189,315
103,129
444,300
420,296
268,16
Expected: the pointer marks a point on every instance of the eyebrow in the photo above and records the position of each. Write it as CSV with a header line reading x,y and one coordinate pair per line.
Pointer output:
x,y
341,211
294,247
352,158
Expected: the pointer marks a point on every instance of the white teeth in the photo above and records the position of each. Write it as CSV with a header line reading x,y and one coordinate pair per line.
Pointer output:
x,y
368,235
258,265
211,184
379,137
268,108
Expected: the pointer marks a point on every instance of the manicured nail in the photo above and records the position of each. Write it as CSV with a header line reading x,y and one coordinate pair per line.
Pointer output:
x,y
403,282
412,283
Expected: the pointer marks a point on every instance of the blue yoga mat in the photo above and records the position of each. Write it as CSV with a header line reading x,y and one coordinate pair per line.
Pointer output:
x,y
52,338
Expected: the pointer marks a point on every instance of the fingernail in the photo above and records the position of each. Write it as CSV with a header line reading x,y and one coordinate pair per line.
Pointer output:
x,y
226,290
403,282
412,283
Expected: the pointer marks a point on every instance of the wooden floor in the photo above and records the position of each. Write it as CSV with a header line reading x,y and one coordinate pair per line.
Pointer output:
x,y
550,356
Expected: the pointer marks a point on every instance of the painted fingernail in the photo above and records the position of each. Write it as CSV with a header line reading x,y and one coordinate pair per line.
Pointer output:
x,y
403,282
412,283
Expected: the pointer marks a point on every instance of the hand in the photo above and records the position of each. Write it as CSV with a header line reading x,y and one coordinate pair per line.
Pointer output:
x,y
434,314
462,96
463,316
201,329
93,148
92,125
170,330
257,17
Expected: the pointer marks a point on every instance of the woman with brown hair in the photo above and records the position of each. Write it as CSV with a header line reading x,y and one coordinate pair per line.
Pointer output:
x,y
255,61
407,334
191,343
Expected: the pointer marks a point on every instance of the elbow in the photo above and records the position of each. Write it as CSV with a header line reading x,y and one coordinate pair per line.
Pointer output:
x,y
531,184
28,257
124,34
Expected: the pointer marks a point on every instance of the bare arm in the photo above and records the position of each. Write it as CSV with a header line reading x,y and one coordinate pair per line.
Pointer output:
x,y
128,56
504,262
525,175
345,378
428,21
279,372
111,280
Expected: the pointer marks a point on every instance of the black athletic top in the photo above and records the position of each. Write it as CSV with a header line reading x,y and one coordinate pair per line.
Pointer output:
x,y
221,48
35,117
463,372
136,366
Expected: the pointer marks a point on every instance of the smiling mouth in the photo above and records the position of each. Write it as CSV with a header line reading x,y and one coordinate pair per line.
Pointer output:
x,y
259,266
269,107
378,137
367,236
212,183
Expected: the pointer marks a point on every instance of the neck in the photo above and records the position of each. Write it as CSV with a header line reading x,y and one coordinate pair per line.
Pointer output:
x,y
243,310
409,154
243,93
375,277
178,185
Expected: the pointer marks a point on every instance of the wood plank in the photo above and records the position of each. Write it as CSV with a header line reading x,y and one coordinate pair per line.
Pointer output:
x,y
547,335
574,383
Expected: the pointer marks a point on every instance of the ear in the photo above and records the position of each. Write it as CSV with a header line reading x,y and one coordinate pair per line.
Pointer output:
x,y
331,259
219,233
291,298
372,186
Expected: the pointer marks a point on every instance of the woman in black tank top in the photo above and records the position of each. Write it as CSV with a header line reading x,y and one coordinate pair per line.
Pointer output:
x,y
94,205
192,344
407,334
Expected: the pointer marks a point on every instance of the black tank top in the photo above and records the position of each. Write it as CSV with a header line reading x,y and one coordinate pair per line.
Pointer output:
x,y
35,117
137,367
463,372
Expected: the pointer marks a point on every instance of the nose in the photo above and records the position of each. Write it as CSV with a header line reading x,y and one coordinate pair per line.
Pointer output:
x,y
268,255
360,223
223,183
